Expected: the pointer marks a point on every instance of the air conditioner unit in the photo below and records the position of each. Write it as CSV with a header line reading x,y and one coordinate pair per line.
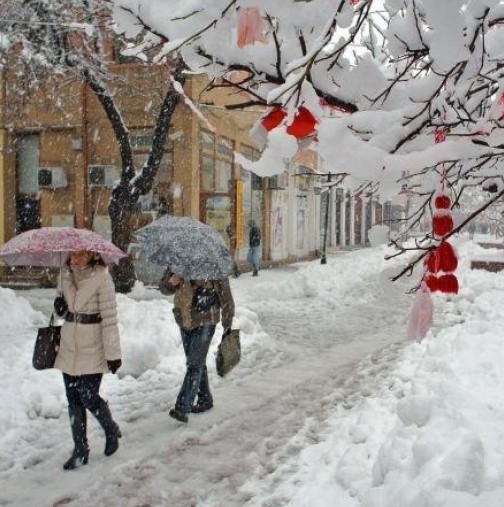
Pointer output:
x,y
102,175
52,177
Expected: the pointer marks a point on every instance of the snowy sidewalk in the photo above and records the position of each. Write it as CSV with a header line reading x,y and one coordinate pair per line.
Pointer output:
x,y
329,406
301,329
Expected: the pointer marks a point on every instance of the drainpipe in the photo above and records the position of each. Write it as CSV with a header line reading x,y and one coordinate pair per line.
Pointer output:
x,y
85,155
7,169
81,183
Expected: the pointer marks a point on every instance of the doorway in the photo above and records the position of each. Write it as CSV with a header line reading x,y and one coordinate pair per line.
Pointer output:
x,y
27,198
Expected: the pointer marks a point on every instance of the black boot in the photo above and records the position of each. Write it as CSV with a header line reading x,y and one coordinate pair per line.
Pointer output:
x,y
80,454
112,431
205,400
255,272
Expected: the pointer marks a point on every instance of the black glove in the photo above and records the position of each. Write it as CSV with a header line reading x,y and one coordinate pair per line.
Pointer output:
x,y
114,365
60,306
226,331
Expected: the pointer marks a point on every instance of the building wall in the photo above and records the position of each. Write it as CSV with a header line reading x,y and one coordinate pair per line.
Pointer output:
x,y
73,133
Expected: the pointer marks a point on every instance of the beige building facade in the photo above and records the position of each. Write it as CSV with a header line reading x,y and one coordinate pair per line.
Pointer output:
x,y
59,160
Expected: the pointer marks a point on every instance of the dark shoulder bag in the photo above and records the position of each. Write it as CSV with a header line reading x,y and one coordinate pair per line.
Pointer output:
x,y
228,353
46,346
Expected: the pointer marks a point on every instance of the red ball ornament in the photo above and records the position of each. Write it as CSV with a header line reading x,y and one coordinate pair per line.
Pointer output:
x,y
431,262
448,284
442,258
303,124
432,282
273,118
448,261
442,224
442,201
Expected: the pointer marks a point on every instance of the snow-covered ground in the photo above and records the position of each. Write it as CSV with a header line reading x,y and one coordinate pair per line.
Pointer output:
x,y
330,406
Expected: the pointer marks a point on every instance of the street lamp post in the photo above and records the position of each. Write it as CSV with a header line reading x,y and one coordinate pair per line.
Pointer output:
x,y
323,258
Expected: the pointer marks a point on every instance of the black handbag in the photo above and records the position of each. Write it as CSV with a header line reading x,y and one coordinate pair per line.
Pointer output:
x,y
228,353
46,346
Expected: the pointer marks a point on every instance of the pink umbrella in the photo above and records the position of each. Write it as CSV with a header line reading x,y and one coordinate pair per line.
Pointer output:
x,y
49,246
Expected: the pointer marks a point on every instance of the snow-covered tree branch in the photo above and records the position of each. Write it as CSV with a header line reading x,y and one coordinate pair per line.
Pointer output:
x,y
74,41
386,80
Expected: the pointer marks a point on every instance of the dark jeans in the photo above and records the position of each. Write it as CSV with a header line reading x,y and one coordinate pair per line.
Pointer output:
x,y
84,390
254,257
196,343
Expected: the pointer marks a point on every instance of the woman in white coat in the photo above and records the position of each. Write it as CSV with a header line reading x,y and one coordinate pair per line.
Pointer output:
x,y
89,348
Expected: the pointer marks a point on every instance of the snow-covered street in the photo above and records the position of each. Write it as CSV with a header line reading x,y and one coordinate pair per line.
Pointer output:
x,y
329,406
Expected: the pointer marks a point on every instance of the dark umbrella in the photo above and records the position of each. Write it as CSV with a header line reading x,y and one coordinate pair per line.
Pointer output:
x,y
193,250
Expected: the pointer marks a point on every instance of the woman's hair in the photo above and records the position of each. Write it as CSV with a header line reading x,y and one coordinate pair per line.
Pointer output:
x,y
96,260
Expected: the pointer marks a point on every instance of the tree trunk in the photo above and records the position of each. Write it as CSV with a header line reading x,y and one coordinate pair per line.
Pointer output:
x,y
120,211
133,185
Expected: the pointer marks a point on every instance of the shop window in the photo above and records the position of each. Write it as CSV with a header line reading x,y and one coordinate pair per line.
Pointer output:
x,y
249,152
216,163
207,173
225,149
223,175
207,141
256,182
218,213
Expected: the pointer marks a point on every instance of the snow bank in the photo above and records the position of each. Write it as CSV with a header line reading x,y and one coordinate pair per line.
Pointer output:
x,y
153,365
433,435
16,312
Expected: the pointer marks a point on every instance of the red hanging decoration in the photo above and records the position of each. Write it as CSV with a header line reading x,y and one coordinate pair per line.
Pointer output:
x,y
442,201
421,315
448,261
442,224
441,262
448,284
250,26
439,135
501,103
303,125
432,282
273,118
442,258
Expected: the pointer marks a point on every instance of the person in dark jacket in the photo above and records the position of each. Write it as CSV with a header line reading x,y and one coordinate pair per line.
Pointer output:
x,y
198,306
254,254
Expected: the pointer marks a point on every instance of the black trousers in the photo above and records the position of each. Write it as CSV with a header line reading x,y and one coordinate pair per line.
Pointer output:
x,y
84,390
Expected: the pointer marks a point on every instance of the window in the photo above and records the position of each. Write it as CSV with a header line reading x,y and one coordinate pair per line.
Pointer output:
x,y
216,162
142,141
207,173
223,175
207,142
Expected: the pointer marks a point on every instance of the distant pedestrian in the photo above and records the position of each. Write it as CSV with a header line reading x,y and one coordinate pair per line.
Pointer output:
x,y
254,253
89,348
230,230
163,207
198,305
